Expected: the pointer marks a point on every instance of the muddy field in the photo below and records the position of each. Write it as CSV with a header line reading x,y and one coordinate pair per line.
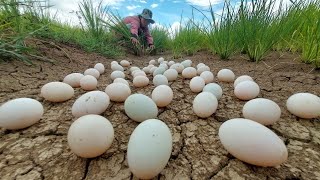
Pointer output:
x,y
41,151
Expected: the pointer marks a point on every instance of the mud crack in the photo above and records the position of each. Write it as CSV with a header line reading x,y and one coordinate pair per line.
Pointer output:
x,y
86,170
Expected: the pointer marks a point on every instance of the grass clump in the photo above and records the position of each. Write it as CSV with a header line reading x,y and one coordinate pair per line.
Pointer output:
x,y
161,39
260,27
307,36
221,34
18,21
188,39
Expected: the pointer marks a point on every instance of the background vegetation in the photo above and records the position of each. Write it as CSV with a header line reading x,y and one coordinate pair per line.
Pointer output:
x,y
255,28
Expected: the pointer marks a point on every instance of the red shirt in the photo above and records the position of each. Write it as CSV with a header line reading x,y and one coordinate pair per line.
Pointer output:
x,y
134,21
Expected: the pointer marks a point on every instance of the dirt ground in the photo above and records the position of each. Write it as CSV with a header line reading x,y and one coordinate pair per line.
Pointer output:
x,y
41,151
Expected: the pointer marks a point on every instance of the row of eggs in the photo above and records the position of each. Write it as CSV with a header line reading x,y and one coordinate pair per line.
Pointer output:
x,y
140,80
225,131
24,112
224,75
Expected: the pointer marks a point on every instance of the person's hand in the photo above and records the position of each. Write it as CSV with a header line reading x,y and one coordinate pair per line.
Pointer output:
x,y
134,41
151,47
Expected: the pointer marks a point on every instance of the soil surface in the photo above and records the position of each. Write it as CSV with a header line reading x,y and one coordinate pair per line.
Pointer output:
x,y
41,151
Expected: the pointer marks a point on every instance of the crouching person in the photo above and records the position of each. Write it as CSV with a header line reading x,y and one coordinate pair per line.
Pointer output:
x,y
139,29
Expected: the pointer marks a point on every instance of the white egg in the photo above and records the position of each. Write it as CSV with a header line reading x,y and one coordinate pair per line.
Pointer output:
x,y
118,92
304,105
189,72
252,142
93,102
117,74
189,61
174,66
200,65
186,63
149,148
90,136
164,62
57,91
197,84
20,113
117,67
152,70
133,68
140,73
140,107
160,80
165,66
159,70
152,62
93,72
162,95
73,79
170,63
213,88
125,63
134,71
160,60
207,76
203,69
99,67
88,83
121,80
241,79
226,75
263,111
146,69
140,81
205,104
151,66
179,67
114,62
247,90
171,74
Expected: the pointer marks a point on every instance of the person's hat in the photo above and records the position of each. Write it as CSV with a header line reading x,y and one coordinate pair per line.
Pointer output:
x,y
147,14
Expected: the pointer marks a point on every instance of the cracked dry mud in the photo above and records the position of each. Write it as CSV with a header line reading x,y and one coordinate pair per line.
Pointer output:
x,y
41,151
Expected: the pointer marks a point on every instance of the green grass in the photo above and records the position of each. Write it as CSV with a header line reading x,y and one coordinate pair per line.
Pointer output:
x,y
13,48
307,36
93,36
221,36
92,15
16,26
161,38
22,19
188,39
259,28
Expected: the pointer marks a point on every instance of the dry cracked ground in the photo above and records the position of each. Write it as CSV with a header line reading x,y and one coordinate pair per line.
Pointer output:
x,y
41,151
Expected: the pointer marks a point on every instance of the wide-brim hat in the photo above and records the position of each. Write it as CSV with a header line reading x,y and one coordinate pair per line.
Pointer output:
x,y
147,14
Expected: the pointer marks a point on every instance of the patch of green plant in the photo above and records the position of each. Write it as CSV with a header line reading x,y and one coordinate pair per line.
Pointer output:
x,y
307,36
221,34
17,19
92,18
188,39
260,27
160,38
